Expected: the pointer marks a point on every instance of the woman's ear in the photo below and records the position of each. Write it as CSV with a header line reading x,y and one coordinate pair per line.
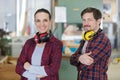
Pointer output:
x,y
50,27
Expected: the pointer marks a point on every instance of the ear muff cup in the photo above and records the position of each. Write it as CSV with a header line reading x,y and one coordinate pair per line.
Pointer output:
x,y
88,35
44,37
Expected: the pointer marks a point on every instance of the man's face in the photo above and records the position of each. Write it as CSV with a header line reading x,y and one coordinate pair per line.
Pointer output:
x,y
42,22
89,23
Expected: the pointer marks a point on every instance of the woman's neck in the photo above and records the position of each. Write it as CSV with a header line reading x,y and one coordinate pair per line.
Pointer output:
x,y
41,44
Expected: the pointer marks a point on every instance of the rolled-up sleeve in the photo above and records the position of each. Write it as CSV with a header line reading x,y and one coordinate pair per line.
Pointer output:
x,y
37,70
29,75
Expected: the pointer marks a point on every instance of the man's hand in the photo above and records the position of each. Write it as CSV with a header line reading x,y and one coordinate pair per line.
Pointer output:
x,y
86,59
27,65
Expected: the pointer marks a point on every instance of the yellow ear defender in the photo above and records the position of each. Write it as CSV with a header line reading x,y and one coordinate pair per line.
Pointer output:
x,y
88,35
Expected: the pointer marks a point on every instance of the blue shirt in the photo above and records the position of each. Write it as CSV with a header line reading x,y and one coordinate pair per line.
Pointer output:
x,y
35,68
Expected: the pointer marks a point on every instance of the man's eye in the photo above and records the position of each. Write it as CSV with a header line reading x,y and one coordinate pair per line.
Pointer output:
x,y
90,20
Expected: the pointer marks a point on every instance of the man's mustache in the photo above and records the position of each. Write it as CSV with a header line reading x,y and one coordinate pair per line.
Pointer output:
x,y
86,25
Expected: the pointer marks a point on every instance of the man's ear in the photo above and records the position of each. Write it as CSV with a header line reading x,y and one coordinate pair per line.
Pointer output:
x,y
99,21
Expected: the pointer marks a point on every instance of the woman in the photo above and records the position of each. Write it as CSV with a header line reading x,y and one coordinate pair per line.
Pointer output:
x,y
41,55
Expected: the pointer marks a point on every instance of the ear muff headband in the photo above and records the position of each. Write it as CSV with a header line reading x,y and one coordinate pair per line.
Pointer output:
x,y
88,35
44,37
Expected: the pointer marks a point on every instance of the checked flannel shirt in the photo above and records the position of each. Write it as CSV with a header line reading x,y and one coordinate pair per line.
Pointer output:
x,y
100,47
51,58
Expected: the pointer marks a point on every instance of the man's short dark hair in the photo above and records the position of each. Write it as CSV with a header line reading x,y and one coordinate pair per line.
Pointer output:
x,y
96,12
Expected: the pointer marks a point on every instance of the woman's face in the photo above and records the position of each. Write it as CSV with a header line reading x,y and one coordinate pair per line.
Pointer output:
x,y
42,22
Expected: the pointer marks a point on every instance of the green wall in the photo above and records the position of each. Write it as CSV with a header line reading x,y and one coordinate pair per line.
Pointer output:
x,y
67,71
73,16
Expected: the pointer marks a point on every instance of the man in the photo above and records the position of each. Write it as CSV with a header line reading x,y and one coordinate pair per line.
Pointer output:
x,y
92,56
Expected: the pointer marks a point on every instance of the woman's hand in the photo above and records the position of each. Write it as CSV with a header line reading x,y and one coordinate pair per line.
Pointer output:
x,y
27,65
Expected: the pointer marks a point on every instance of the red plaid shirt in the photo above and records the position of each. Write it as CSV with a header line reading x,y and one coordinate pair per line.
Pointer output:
x,y
51,58
100,47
